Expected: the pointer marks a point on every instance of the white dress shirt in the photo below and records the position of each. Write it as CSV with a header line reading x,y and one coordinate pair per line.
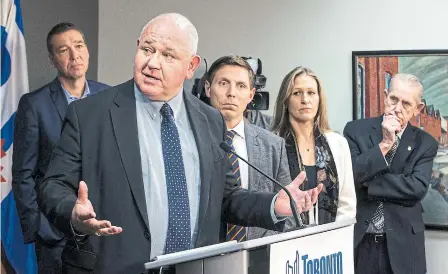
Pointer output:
x,y
239,143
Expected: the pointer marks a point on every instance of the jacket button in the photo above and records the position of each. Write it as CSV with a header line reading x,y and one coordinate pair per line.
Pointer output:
x,y
147,236
366,222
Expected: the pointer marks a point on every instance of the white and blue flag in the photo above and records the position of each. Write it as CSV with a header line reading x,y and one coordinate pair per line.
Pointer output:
x,y
14,83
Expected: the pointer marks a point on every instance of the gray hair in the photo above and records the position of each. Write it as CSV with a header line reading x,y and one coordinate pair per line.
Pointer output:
x,y
409,79
183,23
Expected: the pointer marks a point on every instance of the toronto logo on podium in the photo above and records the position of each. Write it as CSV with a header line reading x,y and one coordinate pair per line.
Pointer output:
x,y
328,264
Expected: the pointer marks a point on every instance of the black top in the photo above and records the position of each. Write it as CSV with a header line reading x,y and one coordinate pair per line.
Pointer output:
x,y
311,175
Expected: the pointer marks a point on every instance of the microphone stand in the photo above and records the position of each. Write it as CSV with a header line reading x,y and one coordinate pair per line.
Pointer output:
x,y
298,220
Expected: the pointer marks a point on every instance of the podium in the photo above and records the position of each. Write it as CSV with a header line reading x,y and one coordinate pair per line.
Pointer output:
x,y
319,249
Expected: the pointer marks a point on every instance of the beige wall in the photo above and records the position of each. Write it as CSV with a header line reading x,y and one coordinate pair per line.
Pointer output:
x,y
319,34
39,17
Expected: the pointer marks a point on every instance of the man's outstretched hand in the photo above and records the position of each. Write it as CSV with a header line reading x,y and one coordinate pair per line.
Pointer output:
x,y
304,199
84,218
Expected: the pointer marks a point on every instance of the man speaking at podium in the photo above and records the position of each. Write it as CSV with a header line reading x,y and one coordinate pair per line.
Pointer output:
x,y
141,164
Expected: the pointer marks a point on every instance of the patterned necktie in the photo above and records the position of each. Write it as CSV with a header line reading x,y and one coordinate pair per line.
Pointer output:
x,y
391,153
234,232
178,236
378,216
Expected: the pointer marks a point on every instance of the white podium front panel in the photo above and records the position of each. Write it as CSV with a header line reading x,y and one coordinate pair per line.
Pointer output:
x,y
329,252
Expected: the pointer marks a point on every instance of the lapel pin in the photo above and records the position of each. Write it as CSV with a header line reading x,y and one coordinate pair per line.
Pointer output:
x,y
409,148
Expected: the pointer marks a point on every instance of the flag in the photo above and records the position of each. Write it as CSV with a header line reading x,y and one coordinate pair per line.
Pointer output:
x,y
14,83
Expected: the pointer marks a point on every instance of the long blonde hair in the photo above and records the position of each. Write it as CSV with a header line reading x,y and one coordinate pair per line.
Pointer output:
x,y
281,125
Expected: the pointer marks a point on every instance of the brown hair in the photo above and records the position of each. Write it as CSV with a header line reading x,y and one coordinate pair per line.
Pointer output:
x,y
230,60
281,124
58,29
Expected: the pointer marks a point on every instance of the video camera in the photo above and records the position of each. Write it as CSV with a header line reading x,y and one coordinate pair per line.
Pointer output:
x,y
261,98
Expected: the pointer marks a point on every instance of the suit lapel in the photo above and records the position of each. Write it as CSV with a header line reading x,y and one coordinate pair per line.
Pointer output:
x,y
92,87
405,147
253,151
201,131
377,133
124,121
58,97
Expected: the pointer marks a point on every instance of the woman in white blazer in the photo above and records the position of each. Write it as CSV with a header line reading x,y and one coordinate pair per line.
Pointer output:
x,y
300,117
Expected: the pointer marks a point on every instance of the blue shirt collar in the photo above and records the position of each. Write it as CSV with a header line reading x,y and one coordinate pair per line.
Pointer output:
x,y
154,107
71,98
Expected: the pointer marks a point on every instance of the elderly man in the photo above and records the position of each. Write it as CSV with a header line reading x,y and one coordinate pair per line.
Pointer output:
x,y
392,164
149,154
230,87
38,125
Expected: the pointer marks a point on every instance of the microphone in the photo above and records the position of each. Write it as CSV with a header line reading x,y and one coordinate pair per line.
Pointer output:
x,y
299,223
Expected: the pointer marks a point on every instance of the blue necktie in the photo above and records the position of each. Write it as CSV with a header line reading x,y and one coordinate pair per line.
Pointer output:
x,y
178,236
234,232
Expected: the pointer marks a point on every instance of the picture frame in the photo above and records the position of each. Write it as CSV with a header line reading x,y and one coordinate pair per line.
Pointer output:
x,y
372,71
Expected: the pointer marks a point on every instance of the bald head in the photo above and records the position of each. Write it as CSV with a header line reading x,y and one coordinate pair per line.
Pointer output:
x,y
181,23
165,56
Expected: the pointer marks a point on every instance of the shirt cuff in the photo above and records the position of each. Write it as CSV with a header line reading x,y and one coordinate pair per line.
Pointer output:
x,y
77,237
276,218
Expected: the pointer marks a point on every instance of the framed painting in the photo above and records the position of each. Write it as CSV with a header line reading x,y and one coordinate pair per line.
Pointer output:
x,y
372,71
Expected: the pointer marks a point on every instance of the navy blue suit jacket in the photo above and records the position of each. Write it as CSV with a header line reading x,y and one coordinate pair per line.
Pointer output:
x,y
37,130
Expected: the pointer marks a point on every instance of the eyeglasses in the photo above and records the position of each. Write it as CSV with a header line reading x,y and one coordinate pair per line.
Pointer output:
x,y
394,101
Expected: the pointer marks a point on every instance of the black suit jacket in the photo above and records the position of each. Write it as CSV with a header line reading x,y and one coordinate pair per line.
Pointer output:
x,y
37,129
100,145
401,187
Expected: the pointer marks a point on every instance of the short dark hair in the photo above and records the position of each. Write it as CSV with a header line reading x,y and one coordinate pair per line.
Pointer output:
x,y
60,28
230,60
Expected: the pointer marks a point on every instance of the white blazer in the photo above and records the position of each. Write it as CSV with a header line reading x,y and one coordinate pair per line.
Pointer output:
x,y
343,161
